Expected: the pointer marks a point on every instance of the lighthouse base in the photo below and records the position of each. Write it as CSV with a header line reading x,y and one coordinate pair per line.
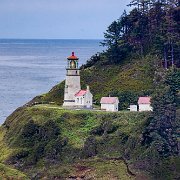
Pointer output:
x,y
69,103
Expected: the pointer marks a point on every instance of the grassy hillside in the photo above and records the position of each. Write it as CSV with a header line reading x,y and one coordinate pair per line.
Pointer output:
x,y
61,138
47,141
10,173
134,75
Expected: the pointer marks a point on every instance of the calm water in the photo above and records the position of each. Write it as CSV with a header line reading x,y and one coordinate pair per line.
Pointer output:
x,y
32,67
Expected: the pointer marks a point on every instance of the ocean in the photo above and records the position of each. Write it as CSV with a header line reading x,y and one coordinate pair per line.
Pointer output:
x,y
32,67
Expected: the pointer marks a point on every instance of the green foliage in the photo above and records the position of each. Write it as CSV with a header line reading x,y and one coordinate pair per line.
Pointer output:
x,y
54,96
173,79
9,173
30,129
107,169
92,61
89,149
161,170
149,26
117,47
37,141
161,130
126,98
77,134
52,139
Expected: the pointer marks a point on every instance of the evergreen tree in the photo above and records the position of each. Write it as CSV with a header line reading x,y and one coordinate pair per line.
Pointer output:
x,y
112,35
152,26
161,131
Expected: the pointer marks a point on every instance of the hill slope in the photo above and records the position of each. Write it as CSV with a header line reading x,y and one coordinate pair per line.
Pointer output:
x,y
69,135
8,173
46,141
134,75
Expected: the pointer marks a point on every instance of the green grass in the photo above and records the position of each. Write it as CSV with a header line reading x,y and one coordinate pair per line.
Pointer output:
x,y
94,168
108,169
75,125
134,75
5,151
10,173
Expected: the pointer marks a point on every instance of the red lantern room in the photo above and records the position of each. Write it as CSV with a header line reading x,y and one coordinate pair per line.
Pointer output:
x,y
72,61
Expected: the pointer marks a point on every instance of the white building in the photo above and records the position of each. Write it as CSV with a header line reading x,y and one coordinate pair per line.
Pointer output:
x,y
133,108
109,103
145,104
72,90
83,98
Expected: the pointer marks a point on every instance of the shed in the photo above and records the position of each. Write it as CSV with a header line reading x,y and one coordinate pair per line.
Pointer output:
x,y
145,104
109,103
133,108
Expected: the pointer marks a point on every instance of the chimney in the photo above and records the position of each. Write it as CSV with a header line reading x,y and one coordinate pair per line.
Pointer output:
x,y
87,88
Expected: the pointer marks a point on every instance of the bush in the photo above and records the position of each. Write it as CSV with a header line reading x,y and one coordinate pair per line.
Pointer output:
x,y
41,141
90,148
126,98
29,130
106,127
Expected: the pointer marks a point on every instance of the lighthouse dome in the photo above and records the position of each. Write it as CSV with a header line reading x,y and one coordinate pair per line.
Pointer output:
x,y
72,57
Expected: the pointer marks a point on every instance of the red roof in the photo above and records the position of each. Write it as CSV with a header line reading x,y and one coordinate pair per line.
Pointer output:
x,y
144,100
109,100
81,93
72,57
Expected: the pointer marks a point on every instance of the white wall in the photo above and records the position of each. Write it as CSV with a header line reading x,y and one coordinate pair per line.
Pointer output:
x,y
74,72
145,107
85,100
109,107
72,86
79,100
88,99
133,108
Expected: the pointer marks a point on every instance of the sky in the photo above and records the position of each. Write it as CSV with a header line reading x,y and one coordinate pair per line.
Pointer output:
x,y
58,19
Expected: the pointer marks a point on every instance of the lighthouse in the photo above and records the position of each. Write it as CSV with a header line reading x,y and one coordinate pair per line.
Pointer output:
x,y
74,96
72,82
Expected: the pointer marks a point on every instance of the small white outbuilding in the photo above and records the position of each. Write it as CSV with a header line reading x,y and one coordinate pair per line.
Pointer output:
x,y
145,104
84,98
133,108
109,103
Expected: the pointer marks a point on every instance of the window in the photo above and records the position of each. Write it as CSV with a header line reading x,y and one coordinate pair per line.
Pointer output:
x,y
77,100
81,100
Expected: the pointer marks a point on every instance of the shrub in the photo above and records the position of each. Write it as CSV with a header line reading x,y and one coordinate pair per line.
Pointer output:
x,y
90,148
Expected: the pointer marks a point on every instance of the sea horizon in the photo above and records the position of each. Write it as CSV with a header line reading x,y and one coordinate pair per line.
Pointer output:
x,y
51,39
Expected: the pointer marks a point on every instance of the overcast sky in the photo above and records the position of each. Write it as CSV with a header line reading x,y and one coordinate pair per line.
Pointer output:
x,y
61,19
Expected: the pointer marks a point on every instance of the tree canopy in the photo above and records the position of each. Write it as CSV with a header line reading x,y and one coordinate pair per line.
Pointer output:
x,y
151,26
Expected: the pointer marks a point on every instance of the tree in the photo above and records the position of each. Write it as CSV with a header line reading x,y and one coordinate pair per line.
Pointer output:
x,y
152,26
142,5
112,35
161,130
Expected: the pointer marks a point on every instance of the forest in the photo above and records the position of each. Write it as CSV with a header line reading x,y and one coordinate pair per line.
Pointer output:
x,y
152,26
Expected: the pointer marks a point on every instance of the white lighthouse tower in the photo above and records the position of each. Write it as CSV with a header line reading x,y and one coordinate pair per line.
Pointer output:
x,y
72,82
